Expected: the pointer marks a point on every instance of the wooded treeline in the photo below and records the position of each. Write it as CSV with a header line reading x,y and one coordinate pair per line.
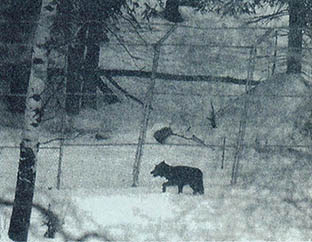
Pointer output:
x,y
80,27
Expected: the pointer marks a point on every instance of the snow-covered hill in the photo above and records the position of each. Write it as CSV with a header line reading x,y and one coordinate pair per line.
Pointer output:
x,y
278,108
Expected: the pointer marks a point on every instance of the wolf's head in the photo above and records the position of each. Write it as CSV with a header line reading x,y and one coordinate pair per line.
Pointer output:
x,y
161,169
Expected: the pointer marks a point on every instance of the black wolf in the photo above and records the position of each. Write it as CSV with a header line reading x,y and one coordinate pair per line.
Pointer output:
x,y
180,176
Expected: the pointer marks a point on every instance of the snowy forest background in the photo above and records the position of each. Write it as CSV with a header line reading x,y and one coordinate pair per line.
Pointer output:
x,y
226,80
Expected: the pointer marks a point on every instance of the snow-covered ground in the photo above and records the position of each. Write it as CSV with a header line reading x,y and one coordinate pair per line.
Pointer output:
x,y
272,200
273,197
146,214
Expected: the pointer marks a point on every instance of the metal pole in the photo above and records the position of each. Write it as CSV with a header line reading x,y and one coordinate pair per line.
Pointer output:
x,y
62,140
243,121
147,105
223,153
275,53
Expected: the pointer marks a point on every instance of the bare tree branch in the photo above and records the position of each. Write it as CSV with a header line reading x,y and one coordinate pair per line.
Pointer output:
x,y
173,77
127,94
268,17
123,45
54,217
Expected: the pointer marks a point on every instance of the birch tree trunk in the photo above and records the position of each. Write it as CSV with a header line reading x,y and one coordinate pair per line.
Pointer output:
x,y
29,147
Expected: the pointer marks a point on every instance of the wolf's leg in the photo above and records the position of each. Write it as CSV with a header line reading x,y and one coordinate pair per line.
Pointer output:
x,y
201,187
180,187
197,187
164,186
195,190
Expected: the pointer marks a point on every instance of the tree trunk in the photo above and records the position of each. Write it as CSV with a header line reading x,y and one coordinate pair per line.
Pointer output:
x,y
74,78
172,11
18,77
20,218
91,63
296,25
17,29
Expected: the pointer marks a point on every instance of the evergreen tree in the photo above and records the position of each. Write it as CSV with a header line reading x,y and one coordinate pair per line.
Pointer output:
x,y
299,12
17,25
81,24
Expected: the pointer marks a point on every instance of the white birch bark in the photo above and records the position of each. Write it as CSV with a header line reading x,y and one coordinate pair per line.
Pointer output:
x,y
20,218
38,76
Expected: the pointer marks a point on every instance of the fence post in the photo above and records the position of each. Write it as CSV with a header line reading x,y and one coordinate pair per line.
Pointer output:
x,y
62,138
244,115
223,153
275,52
147,108
243,121
147,105
59,168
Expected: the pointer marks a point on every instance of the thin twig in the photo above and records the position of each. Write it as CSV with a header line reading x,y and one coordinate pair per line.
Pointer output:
x,y
60,139
268,17
127,94
136,31
123,45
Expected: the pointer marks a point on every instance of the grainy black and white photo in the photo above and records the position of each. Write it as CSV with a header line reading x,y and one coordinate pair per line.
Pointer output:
x,y
155,120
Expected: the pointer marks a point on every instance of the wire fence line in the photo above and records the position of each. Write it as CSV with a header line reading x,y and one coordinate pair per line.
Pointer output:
x,y
140,23
138,44
233,146
250,58
177,94
150,23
